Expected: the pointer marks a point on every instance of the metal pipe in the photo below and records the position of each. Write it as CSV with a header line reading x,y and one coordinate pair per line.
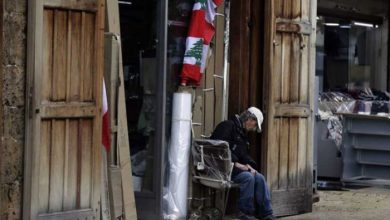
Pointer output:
x,y
225,97
162,39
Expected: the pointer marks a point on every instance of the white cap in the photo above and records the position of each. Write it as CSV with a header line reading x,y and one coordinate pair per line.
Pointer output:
x,y
259,116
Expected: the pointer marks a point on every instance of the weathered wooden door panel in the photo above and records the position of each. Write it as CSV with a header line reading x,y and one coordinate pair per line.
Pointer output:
x,y
65,167
288,137
63,136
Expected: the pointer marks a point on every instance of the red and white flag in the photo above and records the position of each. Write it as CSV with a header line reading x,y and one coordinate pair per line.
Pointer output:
x,y
200,33
105,121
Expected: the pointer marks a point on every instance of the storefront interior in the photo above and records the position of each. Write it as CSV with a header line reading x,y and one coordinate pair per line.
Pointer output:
x,y
351,54
352,73
139,67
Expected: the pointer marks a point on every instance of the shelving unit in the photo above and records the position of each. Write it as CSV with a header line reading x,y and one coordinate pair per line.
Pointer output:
x,y
366,148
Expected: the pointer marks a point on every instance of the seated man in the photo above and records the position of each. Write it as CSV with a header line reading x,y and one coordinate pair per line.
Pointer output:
x,y
253,187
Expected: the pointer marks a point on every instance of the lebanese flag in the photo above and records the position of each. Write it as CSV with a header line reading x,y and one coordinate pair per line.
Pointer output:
x,y
105,121
200,33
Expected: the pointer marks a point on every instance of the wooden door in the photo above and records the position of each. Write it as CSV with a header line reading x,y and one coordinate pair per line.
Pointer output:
x,y
63,135
289,73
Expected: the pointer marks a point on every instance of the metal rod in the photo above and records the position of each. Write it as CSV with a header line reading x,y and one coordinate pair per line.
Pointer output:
x,y
160,146
222,182
208,90
125,3
225,99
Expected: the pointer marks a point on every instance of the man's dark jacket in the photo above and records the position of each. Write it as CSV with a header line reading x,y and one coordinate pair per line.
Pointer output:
x,y
233,132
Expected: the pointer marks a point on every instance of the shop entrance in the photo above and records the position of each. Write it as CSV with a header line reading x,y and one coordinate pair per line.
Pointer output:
x,y
270,67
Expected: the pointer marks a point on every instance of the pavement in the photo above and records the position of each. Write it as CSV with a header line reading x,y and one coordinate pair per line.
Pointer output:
x,y
351,204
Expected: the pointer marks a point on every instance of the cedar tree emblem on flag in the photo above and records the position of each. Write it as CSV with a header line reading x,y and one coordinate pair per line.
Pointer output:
x,y
195,51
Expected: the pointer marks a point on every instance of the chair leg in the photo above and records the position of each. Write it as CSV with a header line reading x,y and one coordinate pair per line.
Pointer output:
x,y
226,195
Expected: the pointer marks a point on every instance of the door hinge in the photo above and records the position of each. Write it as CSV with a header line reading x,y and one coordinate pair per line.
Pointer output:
x,y
293,26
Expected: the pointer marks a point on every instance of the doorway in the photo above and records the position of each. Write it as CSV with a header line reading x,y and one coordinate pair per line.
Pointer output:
x,y
143,36
246,63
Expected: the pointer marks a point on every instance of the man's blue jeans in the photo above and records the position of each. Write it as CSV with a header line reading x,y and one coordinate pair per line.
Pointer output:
x,y
253,188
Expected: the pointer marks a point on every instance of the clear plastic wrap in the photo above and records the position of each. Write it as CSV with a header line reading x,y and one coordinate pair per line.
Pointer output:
x,y
212,163
335,102
175,192
331,103
335,130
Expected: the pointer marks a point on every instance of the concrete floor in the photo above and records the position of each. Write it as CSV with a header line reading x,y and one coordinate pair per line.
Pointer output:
x,y
352,204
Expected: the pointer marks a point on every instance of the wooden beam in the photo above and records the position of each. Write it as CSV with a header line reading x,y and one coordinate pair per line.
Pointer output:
x,y
219,63
209,95
373,7
105,205
124,150
85,5
34,65
98,72
239,57
68,111
70,215
350,15
291,26
311,95
256,71
122,142
197,119
268,152
292,110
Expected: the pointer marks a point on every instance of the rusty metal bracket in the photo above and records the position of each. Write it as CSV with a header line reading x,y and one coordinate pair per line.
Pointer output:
x,y
302,45
293,26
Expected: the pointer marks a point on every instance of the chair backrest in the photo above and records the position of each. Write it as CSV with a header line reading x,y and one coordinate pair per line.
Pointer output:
x,y
212,162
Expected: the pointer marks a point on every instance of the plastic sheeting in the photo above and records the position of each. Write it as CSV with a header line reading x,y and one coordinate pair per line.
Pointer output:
x,y
335,102
335,130
363,103
212,162
366,102
331,103
175,195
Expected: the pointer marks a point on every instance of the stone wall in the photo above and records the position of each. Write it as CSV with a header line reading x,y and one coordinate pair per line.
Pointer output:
x,y
12,110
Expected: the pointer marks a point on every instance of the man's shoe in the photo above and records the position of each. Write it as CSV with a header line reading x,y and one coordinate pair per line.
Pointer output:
x,y
269,217
243,216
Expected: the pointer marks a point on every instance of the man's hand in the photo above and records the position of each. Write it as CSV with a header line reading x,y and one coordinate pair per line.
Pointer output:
x,y
241,166
253,171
